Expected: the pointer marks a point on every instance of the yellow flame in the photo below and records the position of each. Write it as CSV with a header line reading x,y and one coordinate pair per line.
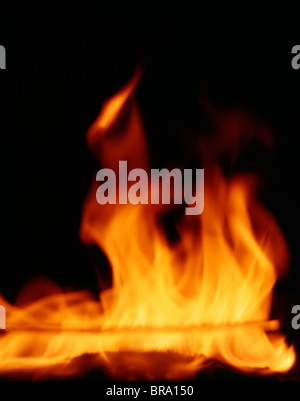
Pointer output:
x,y
172,308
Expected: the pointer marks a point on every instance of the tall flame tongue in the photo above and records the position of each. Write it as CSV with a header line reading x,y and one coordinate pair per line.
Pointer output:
x,y
171,308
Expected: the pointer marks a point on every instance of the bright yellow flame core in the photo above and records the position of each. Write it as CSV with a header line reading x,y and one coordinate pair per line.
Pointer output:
x,y
171,308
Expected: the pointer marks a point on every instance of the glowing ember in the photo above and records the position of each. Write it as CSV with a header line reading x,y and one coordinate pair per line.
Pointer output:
x,y
172,308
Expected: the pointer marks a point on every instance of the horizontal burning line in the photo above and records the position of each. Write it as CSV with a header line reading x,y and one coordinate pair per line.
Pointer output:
x,y
268,325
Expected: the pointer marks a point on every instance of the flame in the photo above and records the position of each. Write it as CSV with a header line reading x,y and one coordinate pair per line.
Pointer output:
x,y
172,307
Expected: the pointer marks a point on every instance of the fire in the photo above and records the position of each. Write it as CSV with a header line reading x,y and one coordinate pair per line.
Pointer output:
x,y
173,307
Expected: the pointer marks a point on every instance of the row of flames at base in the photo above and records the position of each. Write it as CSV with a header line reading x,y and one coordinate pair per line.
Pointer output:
x,y
172,308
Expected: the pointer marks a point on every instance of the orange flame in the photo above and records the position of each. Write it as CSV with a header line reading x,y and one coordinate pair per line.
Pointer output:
x,y
172,308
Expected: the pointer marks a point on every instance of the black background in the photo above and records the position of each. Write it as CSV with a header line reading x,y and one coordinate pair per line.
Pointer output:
x,y
62,62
